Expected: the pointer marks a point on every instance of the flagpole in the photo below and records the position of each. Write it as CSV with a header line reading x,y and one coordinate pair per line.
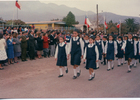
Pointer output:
x,y
120,27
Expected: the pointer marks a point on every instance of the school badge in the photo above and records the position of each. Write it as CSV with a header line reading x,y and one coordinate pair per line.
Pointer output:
x,y
78,43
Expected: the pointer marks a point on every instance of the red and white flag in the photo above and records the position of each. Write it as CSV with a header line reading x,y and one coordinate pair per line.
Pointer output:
x,y
118,25
17,4
105,24
87,22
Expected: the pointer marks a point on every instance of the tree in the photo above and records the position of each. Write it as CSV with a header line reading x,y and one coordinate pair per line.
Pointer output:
x,y
70,19
131,25
15,22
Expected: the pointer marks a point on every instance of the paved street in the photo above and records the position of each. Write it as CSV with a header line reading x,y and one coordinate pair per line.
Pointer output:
x,y
39,79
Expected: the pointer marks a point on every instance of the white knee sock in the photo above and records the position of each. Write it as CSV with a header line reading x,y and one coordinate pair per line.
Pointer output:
x,y
129,67
119,62
108,64
135,64
61,72
97,64
78,69
122,60
66,67
112,63
93,74
75,74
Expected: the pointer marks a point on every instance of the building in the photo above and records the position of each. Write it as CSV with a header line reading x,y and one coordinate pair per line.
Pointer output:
x,y
47,24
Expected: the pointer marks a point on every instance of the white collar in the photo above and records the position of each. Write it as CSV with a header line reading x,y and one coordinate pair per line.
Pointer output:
x,y
61,44
110,41
119,41
129,39
98,40
86,41
91,45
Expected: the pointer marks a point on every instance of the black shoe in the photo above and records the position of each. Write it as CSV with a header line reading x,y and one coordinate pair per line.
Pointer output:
x,y
97,67
83,62
67,70
128,71
60,76
112,67
135,66
101,62
121,63
104,64
74,77
90,79
130,66
108,69
1,68
78,74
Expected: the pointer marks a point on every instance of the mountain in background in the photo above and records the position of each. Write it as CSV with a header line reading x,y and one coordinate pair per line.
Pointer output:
x,y
37,11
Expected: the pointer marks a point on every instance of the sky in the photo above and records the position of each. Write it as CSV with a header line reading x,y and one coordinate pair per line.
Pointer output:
x,y
120,7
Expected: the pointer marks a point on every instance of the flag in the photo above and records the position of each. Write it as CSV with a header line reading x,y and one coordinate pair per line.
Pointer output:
x,y
118,25
105,24
17,4
87,22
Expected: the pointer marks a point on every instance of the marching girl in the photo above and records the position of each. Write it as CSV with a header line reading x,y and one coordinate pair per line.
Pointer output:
x,y
110,51
129,51
76,50
91,55
86,42
124,39
61,55
99,45
137,51
103,47
120,52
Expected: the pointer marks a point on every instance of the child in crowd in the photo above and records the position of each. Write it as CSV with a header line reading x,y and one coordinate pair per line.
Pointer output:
x,y
110,51
86,42
99,45
76,50
129,51
91,55
61,55
103,47
119,51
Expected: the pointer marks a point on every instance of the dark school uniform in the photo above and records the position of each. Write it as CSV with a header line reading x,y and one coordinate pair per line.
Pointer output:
x,y
99,45
86,42
10,48
129,53
110,48
76,47
120,52
92,54
61,54
137,51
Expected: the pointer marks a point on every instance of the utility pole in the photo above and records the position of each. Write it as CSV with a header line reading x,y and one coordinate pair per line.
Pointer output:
x,y
97,17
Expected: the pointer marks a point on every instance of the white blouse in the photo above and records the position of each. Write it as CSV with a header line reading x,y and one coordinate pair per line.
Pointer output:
x,y
61,45
96,50
81,43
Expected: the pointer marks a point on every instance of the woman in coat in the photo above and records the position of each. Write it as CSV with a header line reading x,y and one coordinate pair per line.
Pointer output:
x,y
17,47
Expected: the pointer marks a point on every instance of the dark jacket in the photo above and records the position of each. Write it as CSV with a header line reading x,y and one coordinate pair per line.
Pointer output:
x,y
52,41
23,42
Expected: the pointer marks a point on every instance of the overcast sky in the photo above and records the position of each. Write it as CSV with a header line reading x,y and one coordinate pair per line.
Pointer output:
x,y
121,7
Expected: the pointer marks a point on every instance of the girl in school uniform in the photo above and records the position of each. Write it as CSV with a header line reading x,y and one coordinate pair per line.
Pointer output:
x,y
99,45
103,47
120,52
129,51
137,51
86,42
61,55
91,55
76,50
110,51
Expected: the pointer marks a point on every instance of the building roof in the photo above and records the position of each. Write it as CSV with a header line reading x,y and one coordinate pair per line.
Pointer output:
x,y
1,21
47,22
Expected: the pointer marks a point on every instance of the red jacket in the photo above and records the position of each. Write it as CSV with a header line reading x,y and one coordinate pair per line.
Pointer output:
x,y
45,42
